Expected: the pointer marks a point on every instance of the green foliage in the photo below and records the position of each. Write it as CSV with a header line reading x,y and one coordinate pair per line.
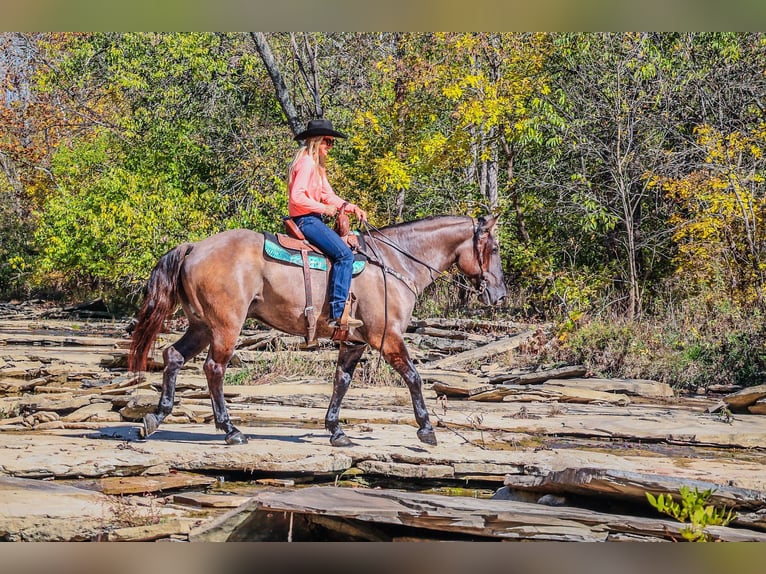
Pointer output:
x,y
106,225
604,346
694,509
737,358
169,161
15,249
237,377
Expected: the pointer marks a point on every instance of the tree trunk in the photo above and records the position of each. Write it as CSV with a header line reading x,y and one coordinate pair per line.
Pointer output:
x,y
488,168
400,98
264,50
310,76
521,226
492,181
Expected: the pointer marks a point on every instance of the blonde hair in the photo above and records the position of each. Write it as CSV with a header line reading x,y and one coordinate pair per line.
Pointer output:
x,y
311,149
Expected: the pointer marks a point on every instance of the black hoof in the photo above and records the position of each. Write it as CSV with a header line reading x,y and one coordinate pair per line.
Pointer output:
x,y
236,437
427,436
340,439
150,425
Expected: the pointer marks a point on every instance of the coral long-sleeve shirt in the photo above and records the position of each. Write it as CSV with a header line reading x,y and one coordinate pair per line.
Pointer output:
x,y
308,191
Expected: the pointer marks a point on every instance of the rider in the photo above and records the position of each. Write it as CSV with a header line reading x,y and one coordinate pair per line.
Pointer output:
x,y
312,201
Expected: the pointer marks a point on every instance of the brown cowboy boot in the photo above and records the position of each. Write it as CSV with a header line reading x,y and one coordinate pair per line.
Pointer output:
x,y
346,321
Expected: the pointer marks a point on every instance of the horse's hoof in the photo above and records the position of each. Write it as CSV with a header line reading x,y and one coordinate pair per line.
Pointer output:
x,y
427,436
236,437
150,425
341,440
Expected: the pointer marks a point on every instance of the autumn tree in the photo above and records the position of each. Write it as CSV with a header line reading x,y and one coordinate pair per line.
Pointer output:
x,y
718,194
32,126
623,126
177,152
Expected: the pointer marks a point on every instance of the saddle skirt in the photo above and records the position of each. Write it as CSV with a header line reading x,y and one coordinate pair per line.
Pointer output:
x,y
288,249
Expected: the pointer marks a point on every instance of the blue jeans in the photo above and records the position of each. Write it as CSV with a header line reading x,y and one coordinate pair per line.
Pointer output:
x,y
339,254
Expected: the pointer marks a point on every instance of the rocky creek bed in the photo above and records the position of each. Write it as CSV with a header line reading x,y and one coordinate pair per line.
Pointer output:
x,y
551,454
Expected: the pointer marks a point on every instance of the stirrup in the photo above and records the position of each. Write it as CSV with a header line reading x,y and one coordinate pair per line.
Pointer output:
x,y
346,321
349,323
308,345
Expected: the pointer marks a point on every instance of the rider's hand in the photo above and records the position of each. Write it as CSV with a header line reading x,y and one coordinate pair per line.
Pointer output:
x,y
360,213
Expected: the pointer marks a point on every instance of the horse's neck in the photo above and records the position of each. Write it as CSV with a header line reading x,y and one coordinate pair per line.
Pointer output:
x,y
435,243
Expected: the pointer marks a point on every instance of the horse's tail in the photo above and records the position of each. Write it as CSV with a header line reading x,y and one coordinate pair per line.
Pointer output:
x,y
160,301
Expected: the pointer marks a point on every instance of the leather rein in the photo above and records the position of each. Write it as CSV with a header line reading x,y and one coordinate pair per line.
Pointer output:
x,y
480,282
432,270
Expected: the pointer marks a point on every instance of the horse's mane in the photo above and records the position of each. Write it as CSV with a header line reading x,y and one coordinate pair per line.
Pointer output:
x,y
404,225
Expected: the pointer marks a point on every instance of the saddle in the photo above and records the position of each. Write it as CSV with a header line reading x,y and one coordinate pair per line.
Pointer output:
x,y
294,236
295,240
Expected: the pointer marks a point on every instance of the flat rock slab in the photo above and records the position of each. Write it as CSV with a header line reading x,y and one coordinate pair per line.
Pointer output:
x,y
34,510
626,485
589,438
746,397
632,387
123,485
549,392
366,514
650,423
116,451
390,450
204,500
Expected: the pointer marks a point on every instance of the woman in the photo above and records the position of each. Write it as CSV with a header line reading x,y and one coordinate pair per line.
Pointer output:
x,y
312,200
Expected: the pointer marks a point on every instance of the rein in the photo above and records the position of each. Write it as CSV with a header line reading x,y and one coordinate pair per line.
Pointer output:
x,y
410,284
460,282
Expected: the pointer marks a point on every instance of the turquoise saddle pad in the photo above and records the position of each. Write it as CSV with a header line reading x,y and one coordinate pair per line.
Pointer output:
x,y
273,249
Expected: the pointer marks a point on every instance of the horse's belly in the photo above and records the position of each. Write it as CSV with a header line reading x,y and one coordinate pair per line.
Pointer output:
x,y
282,301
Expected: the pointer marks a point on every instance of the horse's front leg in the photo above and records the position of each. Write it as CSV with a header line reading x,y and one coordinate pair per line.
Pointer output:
x,y
397,356
348,357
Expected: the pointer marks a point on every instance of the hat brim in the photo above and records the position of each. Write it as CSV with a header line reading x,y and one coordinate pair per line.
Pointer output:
x,y
314,132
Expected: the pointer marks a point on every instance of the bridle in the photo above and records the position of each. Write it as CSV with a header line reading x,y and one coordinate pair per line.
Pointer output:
x,y
478,283
435,273
481,281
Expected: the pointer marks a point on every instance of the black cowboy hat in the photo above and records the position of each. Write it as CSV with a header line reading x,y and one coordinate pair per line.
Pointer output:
x,y
320,127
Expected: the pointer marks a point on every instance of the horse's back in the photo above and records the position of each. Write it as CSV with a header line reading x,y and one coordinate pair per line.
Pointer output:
x,y
225,254
223,271
229,243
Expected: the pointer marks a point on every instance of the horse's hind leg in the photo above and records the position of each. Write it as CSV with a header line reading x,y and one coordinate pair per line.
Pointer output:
x,y
221,350
397,356
188,346
348,357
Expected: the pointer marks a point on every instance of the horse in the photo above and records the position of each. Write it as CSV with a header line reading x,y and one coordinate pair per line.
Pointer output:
x,y
224,279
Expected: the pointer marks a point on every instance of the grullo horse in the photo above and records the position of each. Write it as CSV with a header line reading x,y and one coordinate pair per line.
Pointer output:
x,y
222,280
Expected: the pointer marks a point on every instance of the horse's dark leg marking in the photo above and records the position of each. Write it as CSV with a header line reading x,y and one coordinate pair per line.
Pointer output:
x,y
399,359
348,357
187,347
215,367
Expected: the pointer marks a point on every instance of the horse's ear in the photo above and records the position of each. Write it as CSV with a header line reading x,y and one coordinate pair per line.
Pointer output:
x,y
488,223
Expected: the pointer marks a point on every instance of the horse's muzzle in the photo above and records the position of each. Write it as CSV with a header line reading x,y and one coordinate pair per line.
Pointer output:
x,y
493,296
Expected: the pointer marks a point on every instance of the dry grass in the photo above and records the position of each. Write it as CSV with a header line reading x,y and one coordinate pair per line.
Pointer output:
x,y
283,364
133,511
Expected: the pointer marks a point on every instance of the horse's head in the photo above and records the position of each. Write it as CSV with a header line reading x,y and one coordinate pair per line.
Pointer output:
x,y
482,264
